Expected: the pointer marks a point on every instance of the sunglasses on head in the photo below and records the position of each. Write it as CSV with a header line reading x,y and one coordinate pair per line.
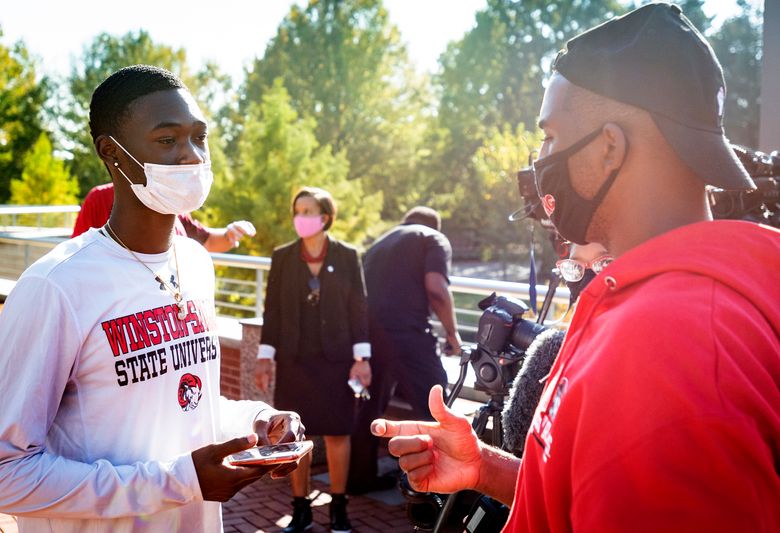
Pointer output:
x,y
574,270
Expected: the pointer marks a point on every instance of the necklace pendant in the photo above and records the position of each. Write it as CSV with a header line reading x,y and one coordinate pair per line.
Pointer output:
x,y
182,314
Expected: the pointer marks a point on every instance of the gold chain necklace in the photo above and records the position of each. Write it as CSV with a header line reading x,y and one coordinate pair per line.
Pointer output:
x,y
175,291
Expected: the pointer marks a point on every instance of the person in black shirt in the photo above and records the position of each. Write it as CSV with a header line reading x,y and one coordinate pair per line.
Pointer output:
x,y
407,276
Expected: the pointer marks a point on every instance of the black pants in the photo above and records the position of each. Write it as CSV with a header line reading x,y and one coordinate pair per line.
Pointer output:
x,y
406,360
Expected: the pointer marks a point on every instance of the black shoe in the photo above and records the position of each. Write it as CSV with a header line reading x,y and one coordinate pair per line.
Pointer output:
x,y
301,518
339,522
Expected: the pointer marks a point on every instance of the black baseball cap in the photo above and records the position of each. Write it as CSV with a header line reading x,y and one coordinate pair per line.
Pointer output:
x,y
655,59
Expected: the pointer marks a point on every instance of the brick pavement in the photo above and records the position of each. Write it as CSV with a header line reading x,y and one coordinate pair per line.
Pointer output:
x,y
264,507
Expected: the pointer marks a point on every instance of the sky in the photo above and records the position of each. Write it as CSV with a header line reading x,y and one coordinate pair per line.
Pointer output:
x,y
231,32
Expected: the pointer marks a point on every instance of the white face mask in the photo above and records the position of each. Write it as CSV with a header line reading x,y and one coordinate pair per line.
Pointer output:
x,y
171,189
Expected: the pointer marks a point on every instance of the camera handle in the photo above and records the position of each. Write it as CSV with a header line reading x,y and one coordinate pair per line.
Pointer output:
x,y
492,409
555,280
466,353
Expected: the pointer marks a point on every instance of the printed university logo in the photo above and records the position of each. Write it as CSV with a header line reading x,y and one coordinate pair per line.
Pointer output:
x,y
189,392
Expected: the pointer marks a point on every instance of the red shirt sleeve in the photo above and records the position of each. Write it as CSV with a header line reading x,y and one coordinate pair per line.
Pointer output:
x,y
95,210
193,228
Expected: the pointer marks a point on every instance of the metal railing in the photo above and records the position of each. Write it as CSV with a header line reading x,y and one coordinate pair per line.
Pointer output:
x,y
241,295
240,278
10,216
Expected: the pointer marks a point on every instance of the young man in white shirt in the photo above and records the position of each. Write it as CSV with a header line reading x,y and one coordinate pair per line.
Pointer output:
x,y
110,359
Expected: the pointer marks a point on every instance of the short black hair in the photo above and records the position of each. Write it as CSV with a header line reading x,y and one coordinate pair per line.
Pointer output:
x,y
426,216
113,97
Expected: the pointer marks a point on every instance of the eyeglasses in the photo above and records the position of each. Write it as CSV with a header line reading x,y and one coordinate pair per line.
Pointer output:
x,y
574,270
314,291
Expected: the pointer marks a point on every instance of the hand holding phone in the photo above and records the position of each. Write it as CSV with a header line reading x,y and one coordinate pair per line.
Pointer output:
x,y
274,454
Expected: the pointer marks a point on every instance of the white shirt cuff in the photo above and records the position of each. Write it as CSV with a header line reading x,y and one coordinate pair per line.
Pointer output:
x,y
361,350
266,351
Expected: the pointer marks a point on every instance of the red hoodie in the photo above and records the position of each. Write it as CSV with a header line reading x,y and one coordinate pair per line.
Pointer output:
x,y
662,411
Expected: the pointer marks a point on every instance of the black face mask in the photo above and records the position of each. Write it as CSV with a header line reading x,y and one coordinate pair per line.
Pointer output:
x,y
576,287
572,213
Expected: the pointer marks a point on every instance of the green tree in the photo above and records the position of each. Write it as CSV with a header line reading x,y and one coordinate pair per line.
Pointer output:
x,y
494,184
738,46
343,64
22,97
278,153
44,179
495,74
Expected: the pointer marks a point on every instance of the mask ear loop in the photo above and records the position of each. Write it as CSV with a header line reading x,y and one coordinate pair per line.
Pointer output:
x,y
125,151
116,163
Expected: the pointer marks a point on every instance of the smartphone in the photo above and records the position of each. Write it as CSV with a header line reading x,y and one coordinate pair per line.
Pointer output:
x,y
271,455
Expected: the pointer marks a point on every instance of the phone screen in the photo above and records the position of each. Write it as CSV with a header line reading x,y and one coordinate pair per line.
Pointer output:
x,y
273,454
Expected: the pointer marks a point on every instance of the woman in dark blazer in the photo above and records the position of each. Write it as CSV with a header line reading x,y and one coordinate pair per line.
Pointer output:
x,y
315,326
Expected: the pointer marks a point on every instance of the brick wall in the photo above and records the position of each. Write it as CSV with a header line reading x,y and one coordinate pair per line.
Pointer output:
x,y
230,369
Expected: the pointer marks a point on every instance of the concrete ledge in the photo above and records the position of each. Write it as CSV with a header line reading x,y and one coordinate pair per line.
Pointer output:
x,y
229,330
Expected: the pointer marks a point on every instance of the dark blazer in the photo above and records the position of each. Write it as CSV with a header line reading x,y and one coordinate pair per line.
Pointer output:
x,y
343,312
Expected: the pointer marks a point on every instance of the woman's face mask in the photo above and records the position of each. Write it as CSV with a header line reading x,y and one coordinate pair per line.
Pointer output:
x,y
171,189
308,225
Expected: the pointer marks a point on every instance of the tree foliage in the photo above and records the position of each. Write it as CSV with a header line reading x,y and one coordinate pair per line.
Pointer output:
x,y
343,64
334,101
278,153
22,97
495,183
44,179
495,74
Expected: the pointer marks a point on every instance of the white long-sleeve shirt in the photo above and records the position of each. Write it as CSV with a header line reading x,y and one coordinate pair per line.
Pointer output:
x,y
104,392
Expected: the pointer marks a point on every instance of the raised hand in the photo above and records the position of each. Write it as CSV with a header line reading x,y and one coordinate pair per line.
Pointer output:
x,y
263,374
237,230
276,427
440,456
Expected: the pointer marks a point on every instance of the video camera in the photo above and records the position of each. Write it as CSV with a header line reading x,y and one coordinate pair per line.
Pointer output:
x,y
761,204
503,336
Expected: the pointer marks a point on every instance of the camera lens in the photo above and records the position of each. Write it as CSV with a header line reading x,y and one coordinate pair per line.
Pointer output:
x,y
524,333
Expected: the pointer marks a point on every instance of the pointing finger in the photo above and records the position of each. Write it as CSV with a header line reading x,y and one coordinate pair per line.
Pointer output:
x,y
389,428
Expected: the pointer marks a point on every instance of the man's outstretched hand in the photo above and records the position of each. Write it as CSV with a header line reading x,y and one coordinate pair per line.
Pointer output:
x,y
441,456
